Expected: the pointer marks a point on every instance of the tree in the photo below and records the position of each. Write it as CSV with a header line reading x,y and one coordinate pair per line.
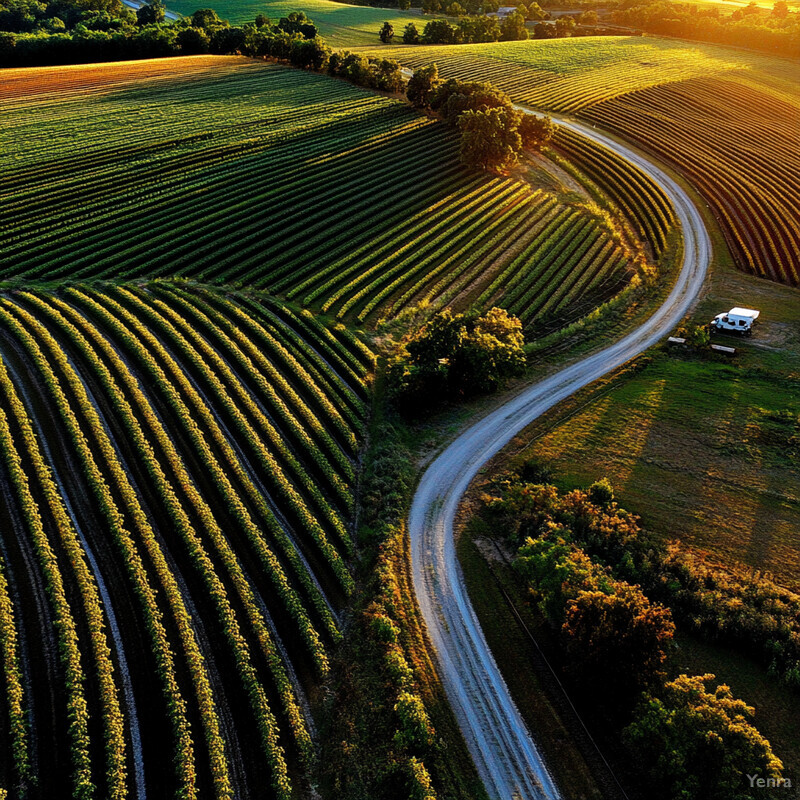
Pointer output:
x,y
535,131
542,30
151,13
535,11
690,742
193,41
589,17
386,33
512,28
298,22
309,53
489,138
207,18
780,9
262,21
421,84
453,97
440,31
454,355
387,75
404,5
618,642
455,10
565,26
431,6
411,34
479,29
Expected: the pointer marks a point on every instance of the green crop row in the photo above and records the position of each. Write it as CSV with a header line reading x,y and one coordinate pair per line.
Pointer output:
x,y
184,756
639,198
114,729
234,398
169,378
12,677
234,353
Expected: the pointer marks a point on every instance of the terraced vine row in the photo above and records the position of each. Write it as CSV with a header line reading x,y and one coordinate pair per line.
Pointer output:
x,y
637,197
277,179
193,468
740,146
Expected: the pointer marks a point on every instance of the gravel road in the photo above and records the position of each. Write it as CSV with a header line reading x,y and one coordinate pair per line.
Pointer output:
x,y
504,752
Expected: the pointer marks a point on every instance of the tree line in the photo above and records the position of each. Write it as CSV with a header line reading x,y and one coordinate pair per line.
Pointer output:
x,y
35,34
775,30
493,132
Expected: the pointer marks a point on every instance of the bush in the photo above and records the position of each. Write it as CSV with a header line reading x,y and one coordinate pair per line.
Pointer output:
x,y
618,642
455,356
690,742
415,732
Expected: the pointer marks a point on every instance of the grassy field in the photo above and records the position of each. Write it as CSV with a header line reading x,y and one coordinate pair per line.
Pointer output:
x,y
341,24
233,171
701,448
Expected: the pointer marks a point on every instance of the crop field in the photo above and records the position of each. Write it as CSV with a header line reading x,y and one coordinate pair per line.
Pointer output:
x,y
641,88
340,24
182,465
566,75
639,200
242,173
752,182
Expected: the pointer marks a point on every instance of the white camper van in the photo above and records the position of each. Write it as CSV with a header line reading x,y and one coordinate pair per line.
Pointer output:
x,y
738,320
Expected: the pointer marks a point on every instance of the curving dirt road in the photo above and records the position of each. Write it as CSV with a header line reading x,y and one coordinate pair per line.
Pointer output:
x,y
504,752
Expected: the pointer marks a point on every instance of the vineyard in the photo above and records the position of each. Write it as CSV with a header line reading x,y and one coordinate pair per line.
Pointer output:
x,y
213,172
639,200
182,464
566,75
183,407
739,146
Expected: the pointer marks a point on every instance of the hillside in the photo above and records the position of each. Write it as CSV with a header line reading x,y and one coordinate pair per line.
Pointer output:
x,y
744,162
232,171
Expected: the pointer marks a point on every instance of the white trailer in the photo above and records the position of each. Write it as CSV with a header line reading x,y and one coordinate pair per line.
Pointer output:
x,y
737,320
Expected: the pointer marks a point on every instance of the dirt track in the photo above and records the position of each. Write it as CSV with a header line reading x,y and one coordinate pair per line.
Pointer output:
x,y
504,752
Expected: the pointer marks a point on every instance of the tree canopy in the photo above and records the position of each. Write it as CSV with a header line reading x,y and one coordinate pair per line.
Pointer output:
x,y
456,355
700,743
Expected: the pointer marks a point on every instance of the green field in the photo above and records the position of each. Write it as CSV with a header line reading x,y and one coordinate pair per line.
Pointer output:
x,y
704,449
341,24
236,172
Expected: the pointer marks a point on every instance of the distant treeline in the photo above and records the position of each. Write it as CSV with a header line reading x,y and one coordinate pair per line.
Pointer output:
x,y
773,31
35,34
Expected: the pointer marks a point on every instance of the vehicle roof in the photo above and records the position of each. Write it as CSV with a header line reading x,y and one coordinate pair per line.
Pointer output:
x,y
744,312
